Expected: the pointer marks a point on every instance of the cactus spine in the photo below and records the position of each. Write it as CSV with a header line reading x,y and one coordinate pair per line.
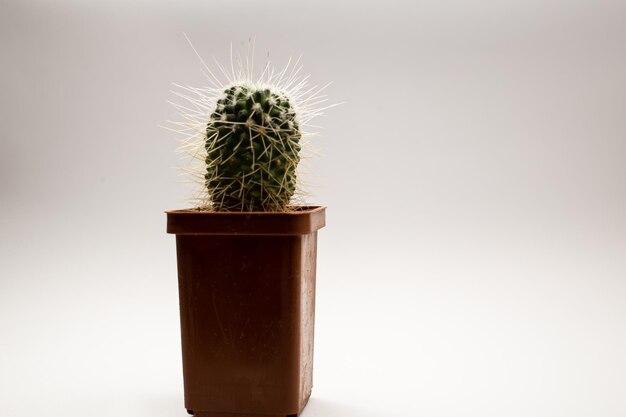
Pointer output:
x,y
252,148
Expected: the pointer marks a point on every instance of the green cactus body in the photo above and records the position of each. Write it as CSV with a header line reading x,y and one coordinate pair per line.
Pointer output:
x,y
252,144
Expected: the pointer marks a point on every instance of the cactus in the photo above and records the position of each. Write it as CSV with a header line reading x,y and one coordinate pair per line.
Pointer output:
x,y
246,134
252,147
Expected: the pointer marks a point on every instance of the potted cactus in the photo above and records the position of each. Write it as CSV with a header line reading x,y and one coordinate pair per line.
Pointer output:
x,y
247,251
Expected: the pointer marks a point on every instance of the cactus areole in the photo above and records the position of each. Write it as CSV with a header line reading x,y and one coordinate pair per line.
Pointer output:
x,y
252,147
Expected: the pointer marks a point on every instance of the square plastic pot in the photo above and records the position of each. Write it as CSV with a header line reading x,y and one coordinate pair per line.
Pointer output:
x,y
247,309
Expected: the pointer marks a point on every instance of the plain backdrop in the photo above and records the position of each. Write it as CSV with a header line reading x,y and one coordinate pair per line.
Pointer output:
x,y
474,259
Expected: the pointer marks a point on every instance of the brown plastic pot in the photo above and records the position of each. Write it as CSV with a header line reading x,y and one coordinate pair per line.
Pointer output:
x,y
247,309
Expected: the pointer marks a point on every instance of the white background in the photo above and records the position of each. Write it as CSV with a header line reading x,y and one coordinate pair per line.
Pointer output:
x,y
474,261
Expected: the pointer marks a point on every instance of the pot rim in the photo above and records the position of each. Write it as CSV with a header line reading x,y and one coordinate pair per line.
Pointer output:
x,y
302,220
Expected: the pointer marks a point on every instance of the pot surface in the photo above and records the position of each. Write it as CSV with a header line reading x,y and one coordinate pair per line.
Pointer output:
x,y
247,306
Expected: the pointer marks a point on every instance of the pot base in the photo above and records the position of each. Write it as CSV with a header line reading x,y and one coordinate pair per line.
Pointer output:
x,y
201,414
213,414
